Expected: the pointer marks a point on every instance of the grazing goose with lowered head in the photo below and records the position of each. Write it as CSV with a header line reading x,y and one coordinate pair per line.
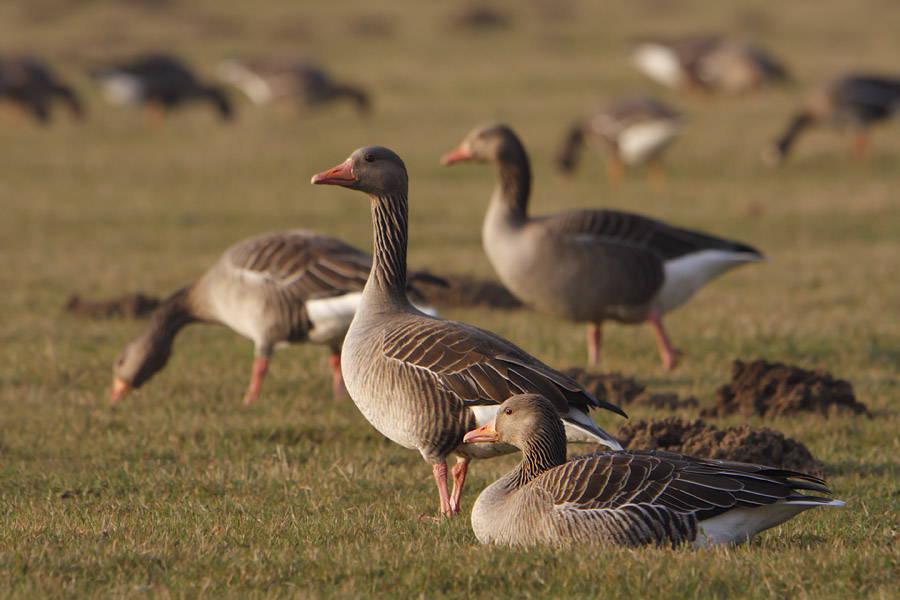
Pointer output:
x,y
708,64
625,498
852,102
28,82
160,83
590,265
303,84
635,129
423,381
295,286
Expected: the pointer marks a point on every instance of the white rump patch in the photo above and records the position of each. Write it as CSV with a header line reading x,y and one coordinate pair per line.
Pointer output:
x,y
642,141
483,414
254,86
687,274
331,317
120,88
739,525
659,63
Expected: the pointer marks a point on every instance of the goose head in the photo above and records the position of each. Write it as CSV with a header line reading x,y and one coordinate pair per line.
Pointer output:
x,y
523,421
139,361
487,144
374,170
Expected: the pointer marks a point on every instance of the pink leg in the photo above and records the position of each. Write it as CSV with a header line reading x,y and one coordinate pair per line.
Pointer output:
x,y
459,480
861,144
594,339
337,376
667,353
260,366
440,478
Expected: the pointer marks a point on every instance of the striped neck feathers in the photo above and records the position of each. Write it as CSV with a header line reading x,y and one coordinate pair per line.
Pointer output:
x,y
513,180
390,216
543,450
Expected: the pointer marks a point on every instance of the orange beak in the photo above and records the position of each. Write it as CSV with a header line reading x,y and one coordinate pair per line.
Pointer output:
x,y
120,389
488,433
339,175
459,154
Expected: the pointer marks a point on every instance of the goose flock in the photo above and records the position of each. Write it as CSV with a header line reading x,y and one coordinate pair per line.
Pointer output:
x,y
450,389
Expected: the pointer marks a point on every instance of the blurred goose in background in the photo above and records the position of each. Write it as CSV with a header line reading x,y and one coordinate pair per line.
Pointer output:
x,y
424,382
296,286
302,84
159,83
636,129
626,498
590,265
28,82
708,64
851,102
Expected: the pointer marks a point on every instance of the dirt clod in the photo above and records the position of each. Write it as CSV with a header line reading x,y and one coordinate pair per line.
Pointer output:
x,y
774,389
622,391
742,443
134,305
463,291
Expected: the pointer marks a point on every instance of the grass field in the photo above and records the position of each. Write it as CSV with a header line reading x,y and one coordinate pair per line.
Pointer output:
x,y
180,492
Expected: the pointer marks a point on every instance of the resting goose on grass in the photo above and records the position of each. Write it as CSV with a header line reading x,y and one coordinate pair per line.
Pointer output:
x,y
424,382
635,129
590,265
624,498
159,83
295,286
851,102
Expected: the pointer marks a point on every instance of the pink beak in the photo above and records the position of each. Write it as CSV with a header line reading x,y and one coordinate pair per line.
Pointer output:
x,y
459,154
488,433
120,389
339,175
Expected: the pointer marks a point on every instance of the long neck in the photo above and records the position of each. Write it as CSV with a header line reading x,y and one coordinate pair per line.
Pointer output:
x,y
168,319
800,122
543,450
390,215
513,182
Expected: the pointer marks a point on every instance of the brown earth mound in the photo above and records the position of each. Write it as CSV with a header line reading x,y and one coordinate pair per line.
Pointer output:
x,y
134,305
760,446
621,391
462,291
773,389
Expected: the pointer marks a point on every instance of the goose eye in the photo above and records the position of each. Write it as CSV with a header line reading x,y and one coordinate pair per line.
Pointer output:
x,y
507,411
370,158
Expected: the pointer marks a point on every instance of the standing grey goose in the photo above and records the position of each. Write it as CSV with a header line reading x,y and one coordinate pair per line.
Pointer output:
x,y
707,63
28,82
424,382
304,84
852,102
625,498
590,265
159,82
295,286
636,130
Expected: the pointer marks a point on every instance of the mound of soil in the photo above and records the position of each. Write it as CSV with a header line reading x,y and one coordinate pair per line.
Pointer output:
x,y
760,446
621,391
773,389
462,291
134,305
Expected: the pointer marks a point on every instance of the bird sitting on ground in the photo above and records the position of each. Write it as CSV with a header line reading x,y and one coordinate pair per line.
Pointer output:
x,y
590,265
423,381
626,498
295,286
159,83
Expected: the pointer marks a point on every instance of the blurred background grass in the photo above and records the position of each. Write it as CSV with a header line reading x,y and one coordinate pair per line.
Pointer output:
x,y
180,492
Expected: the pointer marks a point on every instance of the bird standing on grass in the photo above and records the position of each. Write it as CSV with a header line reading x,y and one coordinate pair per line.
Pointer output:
x,y
296,286
852,102
625,498
29,83
590,265
159,83
423,381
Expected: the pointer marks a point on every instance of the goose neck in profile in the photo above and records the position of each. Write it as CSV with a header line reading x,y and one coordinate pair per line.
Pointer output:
x,y
390,216
171,316
543,450
513,186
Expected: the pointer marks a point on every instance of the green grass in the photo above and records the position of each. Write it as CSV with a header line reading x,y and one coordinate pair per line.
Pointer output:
x,y
181,492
